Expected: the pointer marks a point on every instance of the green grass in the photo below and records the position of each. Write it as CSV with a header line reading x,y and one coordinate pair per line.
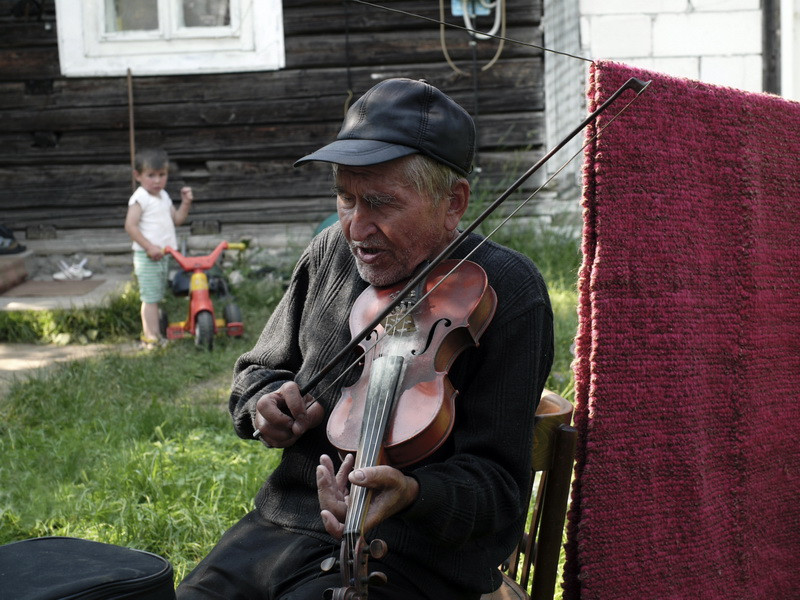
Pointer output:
x,y
128,450
557,253
132,449
117,320
137,449
558,257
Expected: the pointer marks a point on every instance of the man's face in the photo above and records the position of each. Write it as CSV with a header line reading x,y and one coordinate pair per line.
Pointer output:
x,y
391,229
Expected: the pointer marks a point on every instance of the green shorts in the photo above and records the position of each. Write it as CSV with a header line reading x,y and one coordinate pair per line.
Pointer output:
x,y
151,275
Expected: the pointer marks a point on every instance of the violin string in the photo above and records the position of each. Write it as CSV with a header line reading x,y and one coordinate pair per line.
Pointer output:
x,y
472,31
525,201
522,204
373,422
546,182
358,495
359,358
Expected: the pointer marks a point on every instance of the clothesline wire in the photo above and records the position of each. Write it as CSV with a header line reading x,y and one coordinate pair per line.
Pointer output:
x,y
472,31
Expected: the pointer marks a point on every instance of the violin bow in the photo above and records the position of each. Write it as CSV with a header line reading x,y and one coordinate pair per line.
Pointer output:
x,y
636,85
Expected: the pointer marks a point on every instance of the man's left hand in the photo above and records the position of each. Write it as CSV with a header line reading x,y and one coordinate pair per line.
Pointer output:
x,y
392,491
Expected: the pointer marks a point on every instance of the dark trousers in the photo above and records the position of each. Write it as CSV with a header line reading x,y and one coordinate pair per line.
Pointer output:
x,y
256,560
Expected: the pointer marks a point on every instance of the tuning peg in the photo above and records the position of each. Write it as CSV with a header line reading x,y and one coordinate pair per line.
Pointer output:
x,y
377,578
342,593
329,564
378,549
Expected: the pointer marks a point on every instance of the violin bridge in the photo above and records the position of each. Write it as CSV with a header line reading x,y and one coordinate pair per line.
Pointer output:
x,y
400,321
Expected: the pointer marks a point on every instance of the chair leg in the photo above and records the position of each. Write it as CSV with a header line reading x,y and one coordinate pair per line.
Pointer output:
x,y
530,543
554,510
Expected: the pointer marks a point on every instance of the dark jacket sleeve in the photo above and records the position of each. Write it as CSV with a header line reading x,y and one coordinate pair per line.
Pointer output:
x,y
276,356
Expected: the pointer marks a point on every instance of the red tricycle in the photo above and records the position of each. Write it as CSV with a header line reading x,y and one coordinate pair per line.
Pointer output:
x,y
202,323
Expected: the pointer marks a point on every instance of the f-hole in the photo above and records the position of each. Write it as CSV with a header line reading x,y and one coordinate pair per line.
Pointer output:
x,y
445,322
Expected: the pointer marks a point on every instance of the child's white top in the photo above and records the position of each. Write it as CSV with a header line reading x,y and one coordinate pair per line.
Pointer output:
x,y
156,222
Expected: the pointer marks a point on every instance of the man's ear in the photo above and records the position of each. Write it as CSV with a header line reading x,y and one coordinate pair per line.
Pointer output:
x,y
458,203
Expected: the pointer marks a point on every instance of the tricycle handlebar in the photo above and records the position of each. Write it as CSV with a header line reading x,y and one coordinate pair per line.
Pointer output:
x,y
203,263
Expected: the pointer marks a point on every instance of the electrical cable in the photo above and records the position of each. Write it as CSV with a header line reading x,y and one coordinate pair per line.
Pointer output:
x,y
500,15
347,57
489,6
441,21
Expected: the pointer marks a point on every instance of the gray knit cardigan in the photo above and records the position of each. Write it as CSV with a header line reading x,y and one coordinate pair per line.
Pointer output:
x,y
471,504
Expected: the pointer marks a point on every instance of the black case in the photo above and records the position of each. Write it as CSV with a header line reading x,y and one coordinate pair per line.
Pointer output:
x,y
61,568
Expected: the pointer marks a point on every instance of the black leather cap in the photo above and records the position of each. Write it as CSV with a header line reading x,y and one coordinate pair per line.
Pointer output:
x,y
398,117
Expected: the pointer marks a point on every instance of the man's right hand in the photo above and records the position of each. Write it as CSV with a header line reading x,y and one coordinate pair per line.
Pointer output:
x,y
283,416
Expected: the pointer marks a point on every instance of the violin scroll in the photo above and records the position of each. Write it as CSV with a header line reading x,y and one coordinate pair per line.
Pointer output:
x,y
355,571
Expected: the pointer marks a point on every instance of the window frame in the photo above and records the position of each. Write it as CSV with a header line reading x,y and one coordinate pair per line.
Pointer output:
x,y
87,50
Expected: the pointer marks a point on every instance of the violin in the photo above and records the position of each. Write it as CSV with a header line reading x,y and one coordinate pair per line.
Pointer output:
x,y
402,407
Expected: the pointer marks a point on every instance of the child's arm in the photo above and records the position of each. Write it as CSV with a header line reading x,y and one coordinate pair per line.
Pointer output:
x,y
179,215
132,227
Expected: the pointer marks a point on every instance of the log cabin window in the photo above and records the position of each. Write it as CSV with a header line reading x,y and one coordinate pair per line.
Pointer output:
x,y
169,37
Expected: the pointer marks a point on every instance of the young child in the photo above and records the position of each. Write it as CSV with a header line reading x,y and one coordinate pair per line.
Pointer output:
x,y
150,222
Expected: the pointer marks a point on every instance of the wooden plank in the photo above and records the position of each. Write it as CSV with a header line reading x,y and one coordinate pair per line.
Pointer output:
x,y
236,187
279,87
274,90
28,63
21,35
326,17
288,142
386,47
247,112
316,211
14,10
294,213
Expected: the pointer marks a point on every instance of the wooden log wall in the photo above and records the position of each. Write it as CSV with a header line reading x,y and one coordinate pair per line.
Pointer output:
x,y
64,143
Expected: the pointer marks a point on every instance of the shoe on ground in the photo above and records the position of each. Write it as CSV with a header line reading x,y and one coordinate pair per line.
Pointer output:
x,y
10,246
74,272
152,343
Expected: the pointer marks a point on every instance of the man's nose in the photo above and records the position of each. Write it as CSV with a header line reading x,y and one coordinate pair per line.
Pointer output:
x,y
362,222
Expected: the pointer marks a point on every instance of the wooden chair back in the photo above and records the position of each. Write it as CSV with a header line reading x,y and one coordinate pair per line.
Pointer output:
x,y
534,563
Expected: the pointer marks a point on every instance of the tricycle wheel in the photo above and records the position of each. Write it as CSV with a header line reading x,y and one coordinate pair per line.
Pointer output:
x,y
232,314
204,330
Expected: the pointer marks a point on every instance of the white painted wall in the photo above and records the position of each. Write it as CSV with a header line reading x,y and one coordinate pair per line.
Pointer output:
x,y
715,41
790,49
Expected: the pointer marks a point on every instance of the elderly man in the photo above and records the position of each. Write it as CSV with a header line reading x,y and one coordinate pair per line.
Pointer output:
x,y
400,164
